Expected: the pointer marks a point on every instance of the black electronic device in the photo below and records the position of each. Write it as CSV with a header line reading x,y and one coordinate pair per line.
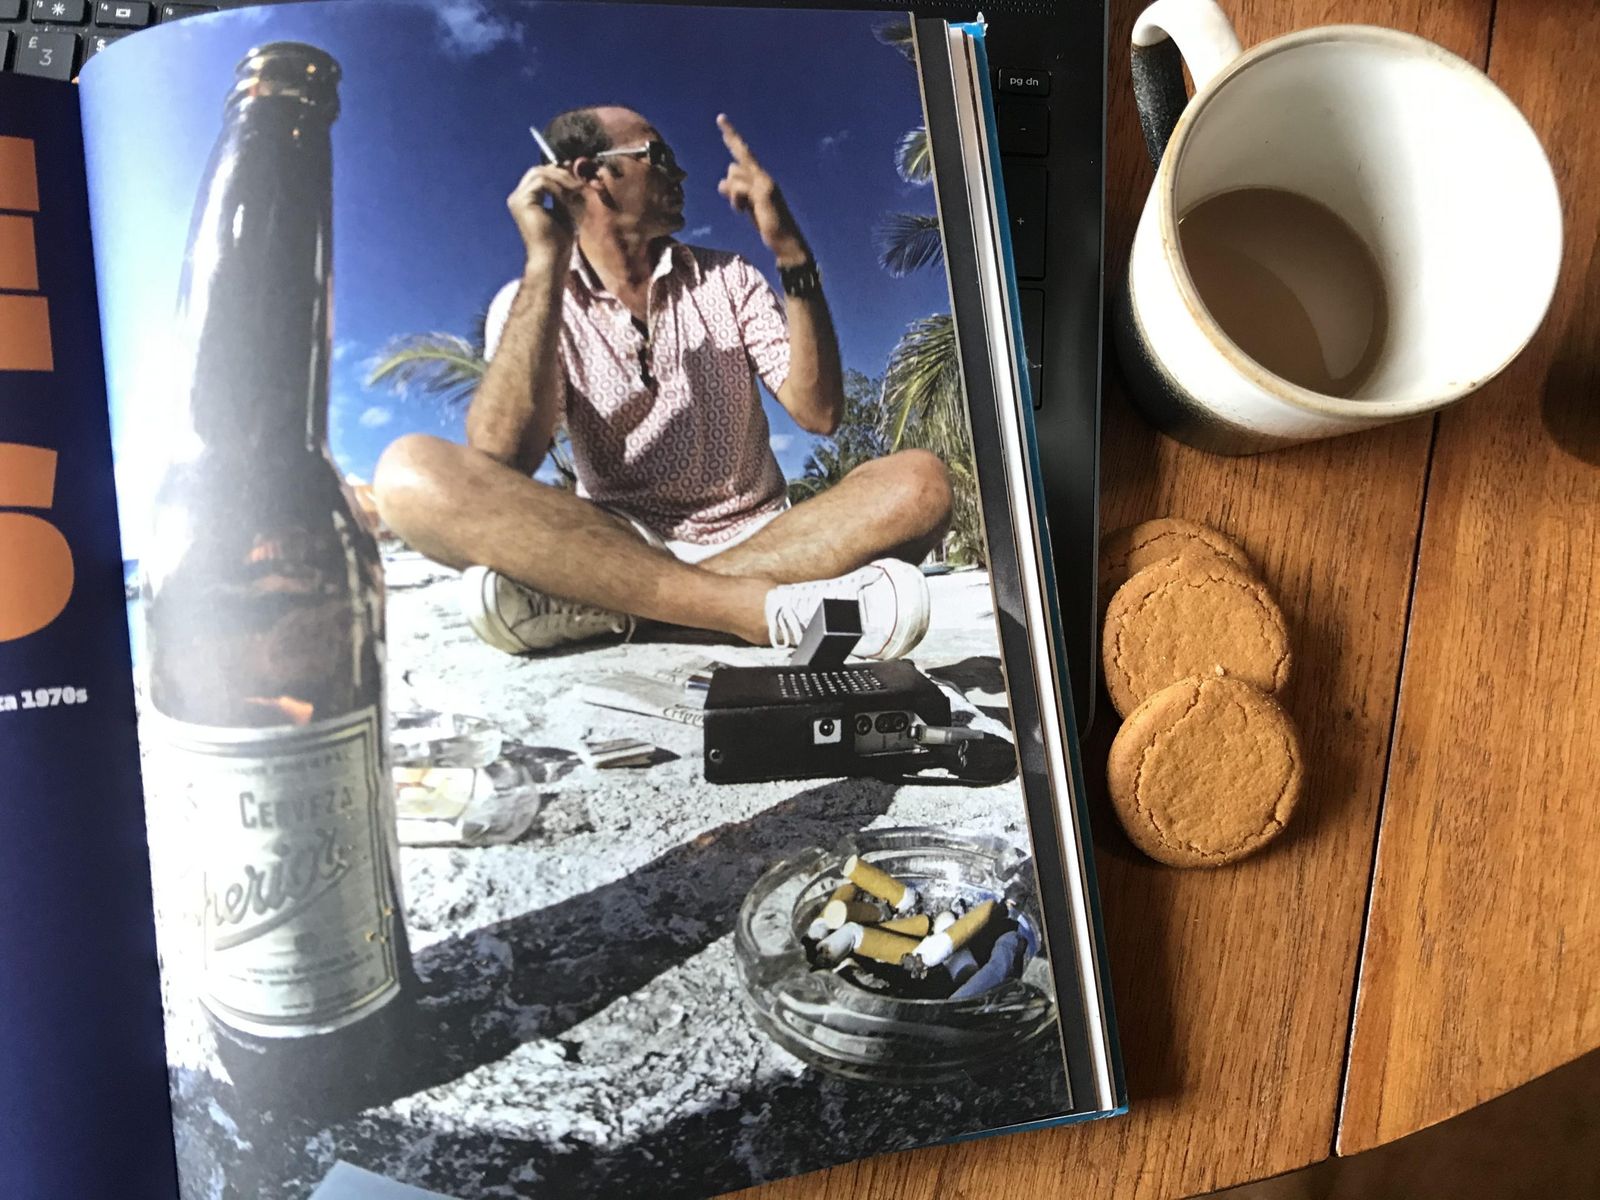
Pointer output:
x,y
1048,59
818,717
790,722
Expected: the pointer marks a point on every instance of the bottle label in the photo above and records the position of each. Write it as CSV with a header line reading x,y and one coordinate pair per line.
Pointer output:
x,y
299,902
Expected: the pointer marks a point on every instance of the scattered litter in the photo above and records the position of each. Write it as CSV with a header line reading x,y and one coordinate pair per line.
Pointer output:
x,y
678,694
617,752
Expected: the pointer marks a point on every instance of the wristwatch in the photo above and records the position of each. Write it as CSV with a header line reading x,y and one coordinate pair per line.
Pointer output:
x,y
802,281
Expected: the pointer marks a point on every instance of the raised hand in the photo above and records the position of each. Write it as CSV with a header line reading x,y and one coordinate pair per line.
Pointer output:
x,y
750,190
547,233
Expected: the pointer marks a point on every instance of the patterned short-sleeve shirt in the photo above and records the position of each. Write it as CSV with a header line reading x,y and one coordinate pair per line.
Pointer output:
x,y
668,426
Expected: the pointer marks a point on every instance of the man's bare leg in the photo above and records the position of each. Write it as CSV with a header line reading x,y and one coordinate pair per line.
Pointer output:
x,y
462,508
897,506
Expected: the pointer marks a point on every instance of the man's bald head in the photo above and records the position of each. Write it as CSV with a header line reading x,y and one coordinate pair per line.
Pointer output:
x,y
585,132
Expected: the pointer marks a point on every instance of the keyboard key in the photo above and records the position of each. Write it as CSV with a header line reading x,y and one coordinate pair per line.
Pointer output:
x,y
48,54
1027,186
1033,339
11,10
98,42
1026,83
122,14
1024,126
60,12
175,12
5,46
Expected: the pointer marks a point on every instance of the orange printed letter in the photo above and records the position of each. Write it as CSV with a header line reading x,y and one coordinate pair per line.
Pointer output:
x,y
35,561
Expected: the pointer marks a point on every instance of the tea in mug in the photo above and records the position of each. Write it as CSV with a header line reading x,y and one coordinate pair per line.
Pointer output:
x,y
1290,283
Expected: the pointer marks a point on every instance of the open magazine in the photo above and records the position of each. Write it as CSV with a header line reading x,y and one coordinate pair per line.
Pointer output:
x,y
593,720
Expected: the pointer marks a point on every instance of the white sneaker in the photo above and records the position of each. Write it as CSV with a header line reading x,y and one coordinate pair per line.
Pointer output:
x,y
894,607
519,620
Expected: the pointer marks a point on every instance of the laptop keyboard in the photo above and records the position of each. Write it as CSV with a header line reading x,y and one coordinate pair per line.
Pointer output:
x,y
54,38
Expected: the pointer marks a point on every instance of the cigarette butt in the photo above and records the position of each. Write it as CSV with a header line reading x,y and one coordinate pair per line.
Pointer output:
x,y
818,930
839,944
845,891
943,921
919,926
1005,962
867,941
836,913
937,947
960,966
884,947
877,883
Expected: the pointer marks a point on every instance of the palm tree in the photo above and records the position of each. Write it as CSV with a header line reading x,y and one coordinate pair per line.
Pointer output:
x,y
448,368
922,391
926,408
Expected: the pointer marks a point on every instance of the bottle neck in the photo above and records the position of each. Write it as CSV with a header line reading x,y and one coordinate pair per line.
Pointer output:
x,y
257,284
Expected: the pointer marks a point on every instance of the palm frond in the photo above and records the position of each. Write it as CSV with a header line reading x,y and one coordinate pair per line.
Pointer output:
x,y
443,365
897,36
913,157
922,384
908,242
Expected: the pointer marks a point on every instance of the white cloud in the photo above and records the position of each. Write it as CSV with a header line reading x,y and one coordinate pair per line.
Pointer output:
x,y
781,442
831,143
470,28
700,231
375,417
342,348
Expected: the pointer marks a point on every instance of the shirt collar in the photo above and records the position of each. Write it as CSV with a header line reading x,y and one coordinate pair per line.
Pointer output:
x,y
674,258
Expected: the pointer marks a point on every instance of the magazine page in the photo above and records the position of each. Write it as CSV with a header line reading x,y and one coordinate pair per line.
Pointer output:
x,y
577,744
80,1017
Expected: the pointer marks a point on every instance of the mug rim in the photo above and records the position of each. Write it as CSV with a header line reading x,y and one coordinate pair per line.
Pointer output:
x,y
1276,385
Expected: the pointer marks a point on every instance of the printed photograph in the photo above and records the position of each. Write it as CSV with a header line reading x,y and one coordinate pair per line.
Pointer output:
x,y
576,740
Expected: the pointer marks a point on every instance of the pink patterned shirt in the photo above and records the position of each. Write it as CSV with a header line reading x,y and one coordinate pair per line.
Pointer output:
x,y
689,456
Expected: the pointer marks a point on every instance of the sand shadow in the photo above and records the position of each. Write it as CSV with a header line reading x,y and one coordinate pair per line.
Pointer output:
x,y
486,992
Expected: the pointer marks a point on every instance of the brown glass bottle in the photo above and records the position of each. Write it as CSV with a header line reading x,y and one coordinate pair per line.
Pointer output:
x,y
264,601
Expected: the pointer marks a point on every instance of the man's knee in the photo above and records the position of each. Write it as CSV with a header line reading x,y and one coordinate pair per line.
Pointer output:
x,y
921,487
411,478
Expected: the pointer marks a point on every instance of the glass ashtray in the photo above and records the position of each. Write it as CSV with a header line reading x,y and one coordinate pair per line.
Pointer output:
x,y
425,738
832,1023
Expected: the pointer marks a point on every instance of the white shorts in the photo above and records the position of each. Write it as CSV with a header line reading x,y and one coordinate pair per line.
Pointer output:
x,y
694,552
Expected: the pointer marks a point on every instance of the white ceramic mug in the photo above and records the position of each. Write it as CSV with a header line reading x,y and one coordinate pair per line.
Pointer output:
x,y
1414,148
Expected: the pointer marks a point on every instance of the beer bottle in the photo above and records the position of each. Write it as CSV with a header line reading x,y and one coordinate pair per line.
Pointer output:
x,y
264,601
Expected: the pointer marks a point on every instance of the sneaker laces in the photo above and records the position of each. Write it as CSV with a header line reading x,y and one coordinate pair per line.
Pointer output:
x,y
787,625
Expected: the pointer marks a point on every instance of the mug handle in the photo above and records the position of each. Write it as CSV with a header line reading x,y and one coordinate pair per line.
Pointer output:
x,y
1166,35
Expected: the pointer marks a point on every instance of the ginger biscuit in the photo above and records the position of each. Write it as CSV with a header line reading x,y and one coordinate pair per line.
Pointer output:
x,y
1190,616
1127,551
1205,772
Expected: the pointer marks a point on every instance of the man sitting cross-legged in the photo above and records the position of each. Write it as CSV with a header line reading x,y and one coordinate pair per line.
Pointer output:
x,y
649,350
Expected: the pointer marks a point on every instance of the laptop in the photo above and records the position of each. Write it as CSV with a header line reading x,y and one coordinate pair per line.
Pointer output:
x,y
1048,58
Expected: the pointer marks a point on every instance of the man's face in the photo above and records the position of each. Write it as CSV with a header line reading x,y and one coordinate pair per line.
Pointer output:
x,y
645,188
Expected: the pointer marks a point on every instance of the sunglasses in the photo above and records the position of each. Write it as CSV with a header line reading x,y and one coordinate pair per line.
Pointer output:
x,y
657,153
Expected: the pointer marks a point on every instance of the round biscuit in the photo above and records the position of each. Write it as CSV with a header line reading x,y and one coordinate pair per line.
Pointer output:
x,y
1125,552
1189,616
1205,772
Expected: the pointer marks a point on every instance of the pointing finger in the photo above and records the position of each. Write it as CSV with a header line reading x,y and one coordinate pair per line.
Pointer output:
x,y
736,145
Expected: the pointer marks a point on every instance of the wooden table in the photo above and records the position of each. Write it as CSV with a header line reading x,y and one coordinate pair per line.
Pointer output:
x,y
1427,935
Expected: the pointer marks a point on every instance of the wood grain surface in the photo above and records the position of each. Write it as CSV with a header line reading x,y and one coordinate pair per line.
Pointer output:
x,y
1483,949
1233,987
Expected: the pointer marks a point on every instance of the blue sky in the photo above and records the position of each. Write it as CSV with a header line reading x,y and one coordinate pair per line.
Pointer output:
x,y
436,101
